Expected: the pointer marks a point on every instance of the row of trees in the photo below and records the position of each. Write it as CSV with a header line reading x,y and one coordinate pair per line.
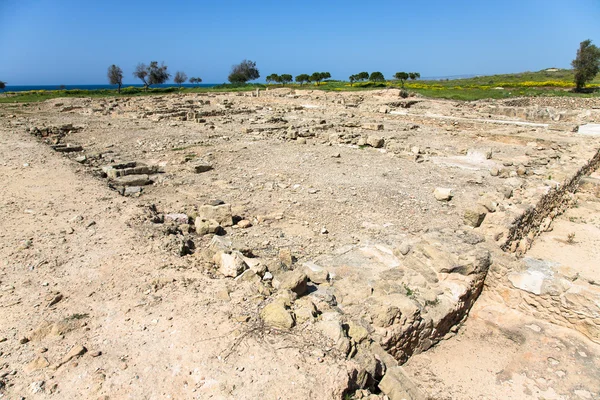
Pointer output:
x,y
378,77
316,77
586,66
283,78
152,74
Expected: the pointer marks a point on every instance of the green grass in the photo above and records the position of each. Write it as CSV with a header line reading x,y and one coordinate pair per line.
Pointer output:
x,y
42,95
540,83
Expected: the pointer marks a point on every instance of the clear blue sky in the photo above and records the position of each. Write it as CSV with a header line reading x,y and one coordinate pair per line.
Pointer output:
x,y
74,41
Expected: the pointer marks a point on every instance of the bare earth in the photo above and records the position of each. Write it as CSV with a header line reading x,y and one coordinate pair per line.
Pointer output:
x,y
299,245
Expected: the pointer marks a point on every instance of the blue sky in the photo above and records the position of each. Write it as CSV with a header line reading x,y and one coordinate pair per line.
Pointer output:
x,y
74,41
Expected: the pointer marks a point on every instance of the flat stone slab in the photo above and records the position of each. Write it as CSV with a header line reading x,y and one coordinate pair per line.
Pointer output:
x,y
132,180
589,130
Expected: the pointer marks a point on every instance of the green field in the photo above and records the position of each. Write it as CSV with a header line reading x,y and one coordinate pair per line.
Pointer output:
x,y
540,83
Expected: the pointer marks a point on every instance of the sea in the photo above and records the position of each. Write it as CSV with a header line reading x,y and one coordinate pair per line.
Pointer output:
x,y
24,88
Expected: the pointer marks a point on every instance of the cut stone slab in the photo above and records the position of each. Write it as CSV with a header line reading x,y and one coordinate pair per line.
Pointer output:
x,y
132,180
61,148
589,130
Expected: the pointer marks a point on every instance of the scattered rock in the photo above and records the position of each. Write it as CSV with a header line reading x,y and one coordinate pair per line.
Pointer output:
x,y
443,194
220,213
200,166
36,364
276,315
230,264
285,257
373,126
294,281
475,216
315,273
244,224
375,141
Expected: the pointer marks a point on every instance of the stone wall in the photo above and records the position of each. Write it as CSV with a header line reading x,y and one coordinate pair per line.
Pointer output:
x,y
538,218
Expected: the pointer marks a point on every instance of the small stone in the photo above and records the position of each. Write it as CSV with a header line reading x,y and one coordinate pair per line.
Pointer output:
x,y
285,257
357,331
375,141
204,226
301,140
267,276
230,264
373,126
403,249
336,155
178,218
294,281
475,216
23,340
55,299
315,273
276,315
81,159
200,166
220,213
324,231
443,194
244,224
36,364
76,351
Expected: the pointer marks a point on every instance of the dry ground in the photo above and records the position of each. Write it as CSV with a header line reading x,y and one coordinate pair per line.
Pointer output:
x,y
81,265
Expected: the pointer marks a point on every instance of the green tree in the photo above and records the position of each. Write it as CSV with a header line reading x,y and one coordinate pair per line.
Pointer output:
x,y
115,76
196,80
353,78
401,76
152,74
316,77
243,72
2,86
586,64
180,77
414,75
363,76
272,78
325,75
285,78
376,77
302,78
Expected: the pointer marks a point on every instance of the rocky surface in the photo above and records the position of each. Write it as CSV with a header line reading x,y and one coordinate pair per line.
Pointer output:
x,y
295,244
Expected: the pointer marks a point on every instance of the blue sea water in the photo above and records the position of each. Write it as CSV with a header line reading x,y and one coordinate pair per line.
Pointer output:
x,y
17,88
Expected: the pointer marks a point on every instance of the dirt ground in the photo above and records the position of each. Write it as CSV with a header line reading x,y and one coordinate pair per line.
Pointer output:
x,y
108,296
